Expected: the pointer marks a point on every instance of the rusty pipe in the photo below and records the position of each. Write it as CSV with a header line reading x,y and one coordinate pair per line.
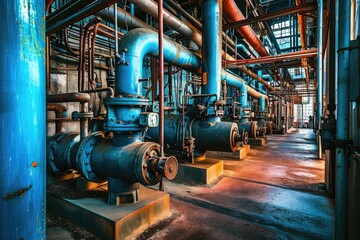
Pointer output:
x,y
68,97
60,112
302,31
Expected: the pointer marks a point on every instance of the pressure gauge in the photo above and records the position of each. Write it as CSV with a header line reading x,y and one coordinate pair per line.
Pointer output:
x,y
149,119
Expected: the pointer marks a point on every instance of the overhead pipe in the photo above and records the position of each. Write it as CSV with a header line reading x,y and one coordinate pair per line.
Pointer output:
x,y
76,16
342,128
22,120
179,26
124,19
302,31
233,14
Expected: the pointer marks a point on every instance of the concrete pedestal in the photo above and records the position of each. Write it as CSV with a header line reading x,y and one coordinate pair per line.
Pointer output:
x,y
203,172
90,210
239,154
257,141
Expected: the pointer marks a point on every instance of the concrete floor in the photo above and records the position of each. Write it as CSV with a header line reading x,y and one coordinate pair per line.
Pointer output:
x,y
275,193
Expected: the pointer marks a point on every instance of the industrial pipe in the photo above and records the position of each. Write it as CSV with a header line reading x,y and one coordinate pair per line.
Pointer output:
x,y
342,128
233,14
60,112
211,50
179,26
22,120
68,97
135,46
238,82
320,27
76,16
302,31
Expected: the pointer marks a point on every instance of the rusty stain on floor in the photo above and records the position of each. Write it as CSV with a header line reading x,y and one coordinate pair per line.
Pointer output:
x,y
275,193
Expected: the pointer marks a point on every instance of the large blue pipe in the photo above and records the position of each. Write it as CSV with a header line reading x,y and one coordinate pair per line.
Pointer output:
x,y
22,120
211,50
342,129
135,46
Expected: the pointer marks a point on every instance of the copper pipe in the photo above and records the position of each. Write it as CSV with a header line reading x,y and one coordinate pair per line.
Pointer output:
x,y
302,31
59,114
68,97
272,59
233,14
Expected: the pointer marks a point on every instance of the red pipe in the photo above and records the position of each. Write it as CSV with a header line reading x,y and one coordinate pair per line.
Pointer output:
x,y
59,113
271,59
233,14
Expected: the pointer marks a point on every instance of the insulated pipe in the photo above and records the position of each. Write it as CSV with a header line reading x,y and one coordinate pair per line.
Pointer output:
x,y
22,120
124,19
342,129
211,50
135,46
320,26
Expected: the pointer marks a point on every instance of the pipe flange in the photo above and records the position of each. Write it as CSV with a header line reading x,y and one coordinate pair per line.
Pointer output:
x,y
52,146
126,101
83,157
143,159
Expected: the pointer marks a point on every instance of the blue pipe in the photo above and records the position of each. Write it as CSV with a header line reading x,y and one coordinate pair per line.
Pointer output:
x,y
135,46
132,9
262,103
22,120
342,130
211,51
238,82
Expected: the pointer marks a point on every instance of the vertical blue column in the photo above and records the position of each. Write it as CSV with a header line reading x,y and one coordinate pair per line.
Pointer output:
x,y
22,119
342,129
320,26
211,50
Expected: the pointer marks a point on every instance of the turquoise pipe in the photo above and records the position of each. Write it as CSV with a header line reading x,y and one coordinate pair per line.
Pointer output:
x,y
135,46
22,120
211,50
342,129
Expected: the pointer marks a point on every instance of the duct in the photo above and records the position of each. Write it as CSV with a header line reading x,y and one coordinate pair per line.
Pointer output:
x,y
22,120
179,26
134,46
211,50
